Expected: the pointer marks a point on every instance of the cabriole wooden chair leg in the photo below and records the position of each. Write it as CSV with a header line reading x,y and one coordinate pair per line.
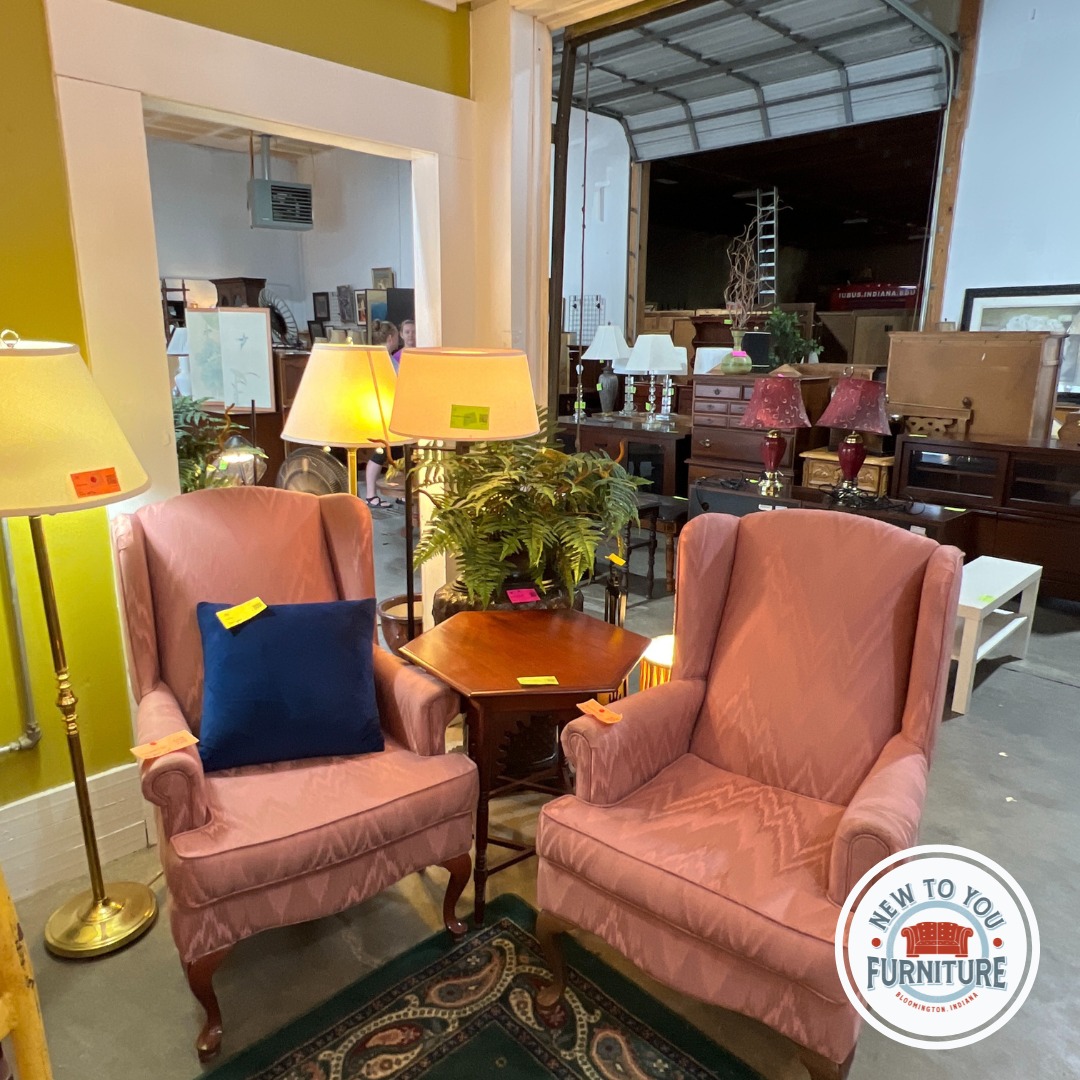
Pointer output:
x,y
200,977
548,926
459,867
821,1068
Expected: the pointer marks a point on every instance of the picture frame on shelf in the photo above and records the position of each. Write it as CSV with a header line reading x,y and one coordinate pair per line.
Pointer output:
x,y
1046,308
316,330
360,298
346,299
320,303
382,277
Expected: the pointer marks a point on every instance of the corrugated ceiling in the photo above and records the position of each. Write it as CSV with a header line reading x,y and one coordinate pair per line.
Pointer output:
x,y
735,71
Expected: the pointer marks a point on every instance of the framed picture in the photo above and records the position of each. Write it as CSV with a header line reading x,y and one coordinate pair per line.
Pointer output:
x,y
360,298
346,302
382,277
231,356
1039,307
376,305
316,330
1053,308
320,302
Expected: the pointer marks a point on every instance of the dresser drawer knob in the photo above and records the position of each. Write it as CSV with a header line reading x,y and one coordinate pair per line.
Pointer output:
x,y
706,442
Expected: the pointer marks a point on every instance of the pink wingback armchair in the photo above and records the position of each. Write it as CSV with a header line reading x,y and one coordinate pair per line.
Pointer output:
x,y
716,830
263,846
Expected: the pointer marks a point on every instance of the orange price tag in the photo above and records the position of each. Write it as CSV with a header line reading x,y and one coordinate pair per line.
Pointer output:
x,y
593,708
95,482
165,745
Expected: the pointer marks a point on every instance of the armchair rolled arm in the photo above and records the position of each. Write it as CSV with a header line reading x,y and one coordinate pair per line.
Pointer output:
x,y
613,760
174,782
882,818
414,707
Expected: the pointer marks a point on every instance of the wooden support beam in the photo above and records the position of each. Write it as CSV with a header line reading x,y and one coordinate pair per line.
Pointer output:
x,y
948,180
637,248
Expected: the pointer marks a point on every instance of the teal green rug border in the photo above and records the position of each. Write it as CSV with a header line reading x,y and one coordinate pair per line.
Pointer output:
x,y
665,1022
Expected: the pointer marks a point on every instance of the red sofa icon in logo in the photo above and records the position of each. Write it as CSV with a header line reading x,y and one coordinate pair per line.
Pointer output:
x,y
934,938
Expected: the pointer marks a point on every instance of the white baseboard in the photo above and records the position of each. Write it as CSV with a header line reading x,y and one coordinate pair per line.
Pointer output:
x,y
41,839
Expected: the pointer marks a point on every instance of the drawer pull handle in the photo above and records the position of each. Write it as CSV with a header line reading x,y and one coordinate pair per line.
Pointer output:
x,y
706,442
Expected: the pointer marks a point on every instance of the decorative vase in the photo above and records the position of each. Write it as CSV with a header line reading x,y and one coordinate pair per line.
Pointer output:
x,y
736,362
608,385
394,621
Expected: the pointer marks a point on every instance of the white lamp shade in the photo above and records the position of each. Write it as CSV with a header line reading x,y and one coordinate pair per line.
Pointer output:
x,y
345,398
652,353
607,344
60,446
708,358
178,343
464,395
677,364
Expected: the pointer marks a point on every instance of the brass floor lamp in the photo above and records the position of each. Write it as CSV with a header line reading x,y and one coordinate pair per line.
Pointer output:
x,y
61,450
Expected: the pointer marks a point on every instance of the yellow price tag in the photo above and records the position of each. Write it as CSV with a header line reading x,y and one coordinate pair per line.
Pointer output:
x,y
165,745
234,616
618,560
470,417
538,680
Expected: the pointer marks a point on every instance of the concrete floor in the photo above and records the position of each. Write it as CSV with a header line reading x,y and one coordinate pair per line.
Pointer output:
x,y
1004,782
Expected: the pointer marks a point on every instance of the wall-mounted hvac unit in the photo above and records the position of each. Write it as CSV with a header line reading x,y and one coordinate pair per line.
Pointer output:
x,y
277,204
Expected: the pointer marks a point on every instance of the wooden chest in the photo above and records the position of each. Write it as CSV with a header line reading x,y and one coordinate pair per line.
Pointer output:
x,y
821,469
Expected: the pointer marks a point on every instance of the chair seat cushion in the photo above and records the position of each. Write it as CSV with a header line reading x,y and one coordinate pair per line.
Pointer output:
x,y
272,823
727,859
296,681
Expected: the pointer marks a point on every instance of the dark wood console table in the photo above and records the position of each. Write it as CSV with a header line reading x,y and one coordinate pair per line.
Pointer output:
x,y
1023,494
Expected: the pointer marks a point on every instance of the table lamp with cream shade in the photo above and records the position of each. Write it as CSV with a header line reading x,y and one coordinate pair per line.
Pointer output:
x,y
344,399
652,354
459,395
62,450
609,346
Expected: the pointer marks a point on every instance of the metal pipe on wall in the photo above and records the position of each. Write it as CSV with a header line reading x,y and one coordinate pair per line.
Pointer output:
x,y
9,590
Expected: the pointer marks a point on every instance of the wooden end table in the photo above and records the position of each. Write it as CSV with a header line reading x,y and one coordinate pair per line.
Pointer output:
x,y
481,654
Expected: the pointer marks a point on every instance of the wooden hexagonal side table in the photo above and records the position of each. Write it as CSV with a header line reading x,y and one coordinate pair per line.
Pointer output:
x,y
483,654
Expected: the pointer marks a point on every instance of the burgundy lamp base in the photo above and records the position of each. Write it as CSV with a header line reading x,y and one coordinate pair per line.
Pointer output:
x,y
772,453
852,454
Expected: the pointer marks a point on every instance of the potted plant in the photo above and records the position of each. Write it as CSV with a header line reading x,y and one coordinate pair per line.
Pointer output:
x,y
200,441
786,342
520,514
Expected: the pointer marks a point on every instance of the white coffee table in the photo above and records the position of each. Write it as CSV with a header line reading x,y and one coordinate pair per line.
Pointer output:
x,y
983,626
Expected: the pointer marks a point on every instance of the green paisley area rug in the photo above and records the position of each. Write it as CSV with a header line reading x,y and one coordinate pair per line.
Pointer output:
x,y
468,1012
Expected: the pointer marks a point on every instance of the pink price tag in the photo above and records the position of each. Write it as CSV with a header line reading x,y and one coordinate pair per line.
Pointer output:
x,y
522,596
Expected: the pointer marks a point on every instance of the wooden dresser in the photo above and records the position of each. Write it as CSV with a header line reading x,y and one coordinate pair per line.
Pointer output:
x,y
719,447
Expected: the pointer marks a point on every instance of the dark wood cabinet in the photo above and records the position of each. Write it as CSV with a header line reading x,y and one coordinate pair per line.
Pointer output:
x,y
719,447
1026,494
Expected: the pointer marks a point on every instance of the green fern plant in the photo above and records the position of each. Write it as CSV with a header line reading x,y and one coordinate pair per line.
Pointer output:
x,y
198,435
522,509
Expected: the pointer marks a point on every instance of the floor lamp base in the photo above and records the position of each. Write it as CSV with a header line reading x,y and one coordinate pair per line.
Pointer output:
x,y
83,928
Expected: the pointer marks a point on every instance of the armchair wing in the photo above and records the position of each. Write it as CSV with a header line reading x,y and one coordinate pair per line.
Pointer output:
x,y
173,782
613,760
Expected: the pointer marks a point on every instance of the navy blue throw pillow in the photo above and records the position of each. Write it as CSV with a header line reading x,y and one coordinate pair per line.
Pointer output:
x,y
296,681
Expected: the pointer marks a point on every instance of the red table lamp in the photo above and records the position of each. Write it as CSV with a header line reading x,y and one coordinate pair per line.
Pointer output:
x,y
857,405
776,404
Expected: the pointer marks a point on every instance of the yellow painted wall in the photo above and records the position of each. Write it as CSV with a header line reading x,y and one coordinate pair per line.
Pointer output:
x,y
39,298
409,40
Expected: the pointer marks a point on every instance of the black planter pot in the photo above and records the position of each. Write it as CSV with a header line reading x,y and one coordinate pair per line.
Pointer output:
x,y
534,746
